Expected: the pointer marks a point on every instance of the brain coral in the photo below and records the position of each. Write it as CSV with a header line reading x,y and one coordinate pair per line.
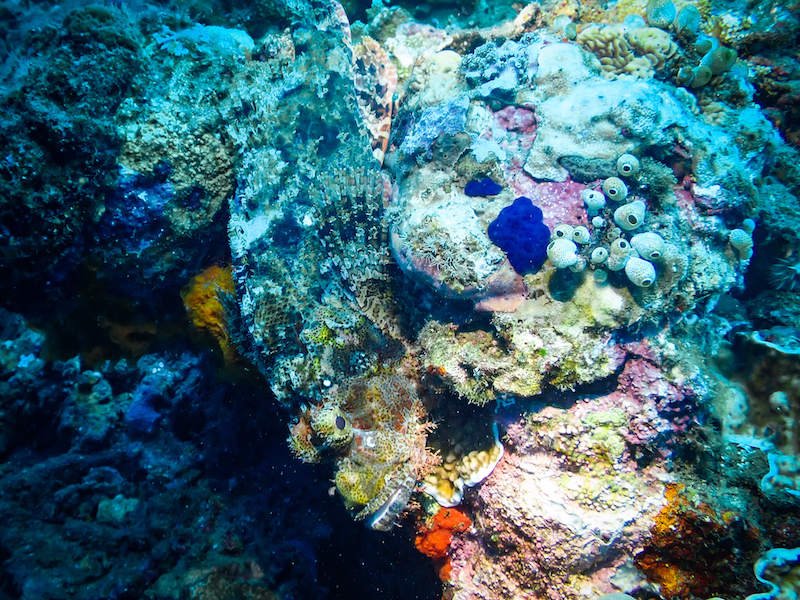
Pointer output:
x,y
637,52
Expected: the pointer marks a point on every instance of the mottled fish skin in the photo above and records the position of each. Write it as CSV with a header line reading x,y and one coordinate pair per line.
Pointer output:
x,y
375,81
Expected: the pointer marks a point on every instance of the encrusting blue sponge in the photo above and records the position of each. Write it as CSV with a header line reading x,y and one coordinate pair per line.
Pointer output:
x,y
485,186
519,231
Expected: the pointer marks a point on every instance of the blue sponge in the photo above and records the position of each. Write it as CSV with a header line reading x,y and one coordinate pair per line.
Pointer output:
x,y
518,230
484,186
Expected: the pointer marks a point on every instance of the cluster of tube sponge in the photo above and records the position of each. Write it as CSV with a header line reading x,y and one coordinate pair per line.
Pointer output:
x,y
716,58
576,248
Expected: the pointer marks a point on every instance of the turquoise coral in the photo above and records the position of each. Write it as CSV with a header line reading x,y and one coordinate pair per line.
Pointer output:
x,y
779,568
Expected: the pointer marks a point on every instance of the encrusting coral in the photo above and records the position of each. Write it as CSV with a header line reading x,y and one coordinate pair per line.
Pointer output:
x,y
433,539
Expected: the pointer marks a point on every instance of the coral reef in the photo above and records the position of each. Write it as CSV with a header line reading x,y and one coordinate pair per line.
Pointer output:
x,y
58,107
535,510
521,280
670,560
566,480
97,488
119,504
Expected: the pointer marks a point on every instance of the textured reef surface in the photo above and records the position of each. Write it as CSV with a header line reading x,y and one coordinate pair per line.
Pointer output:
x,y
461,300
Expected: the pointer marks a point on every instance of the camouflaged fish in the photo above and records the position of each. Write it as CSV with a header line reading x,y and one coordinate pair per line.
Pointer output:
x,y
375,79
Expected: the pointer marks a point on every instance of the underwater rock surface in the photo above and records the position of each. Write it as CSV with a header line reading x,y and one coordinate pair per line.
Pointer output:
x,y
517,282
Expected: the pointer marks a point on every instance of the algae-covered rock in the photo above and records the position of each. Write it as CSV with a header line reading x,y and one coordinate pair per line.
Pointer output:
x,y
60,142
542,343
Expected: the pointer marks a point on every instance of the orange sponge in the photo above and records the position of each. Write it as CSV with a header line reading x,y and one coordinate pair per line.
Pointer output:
x,y
434,540
201,297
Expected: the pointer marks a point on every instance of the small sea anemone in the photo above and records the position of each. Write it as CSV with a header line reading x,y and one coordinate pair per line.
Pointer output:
x,y
784,274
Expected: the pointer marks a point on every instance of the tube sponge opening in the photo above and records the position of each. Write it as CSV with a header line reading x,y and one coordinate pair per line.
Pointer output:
x,y
640,272
562,253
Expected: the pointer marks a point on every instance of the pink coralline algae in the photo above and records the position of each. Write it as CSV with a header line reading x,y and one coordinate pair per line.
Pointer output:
x,y
560,201
538,529
514,118
695,204
515,132
658,406
572,501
